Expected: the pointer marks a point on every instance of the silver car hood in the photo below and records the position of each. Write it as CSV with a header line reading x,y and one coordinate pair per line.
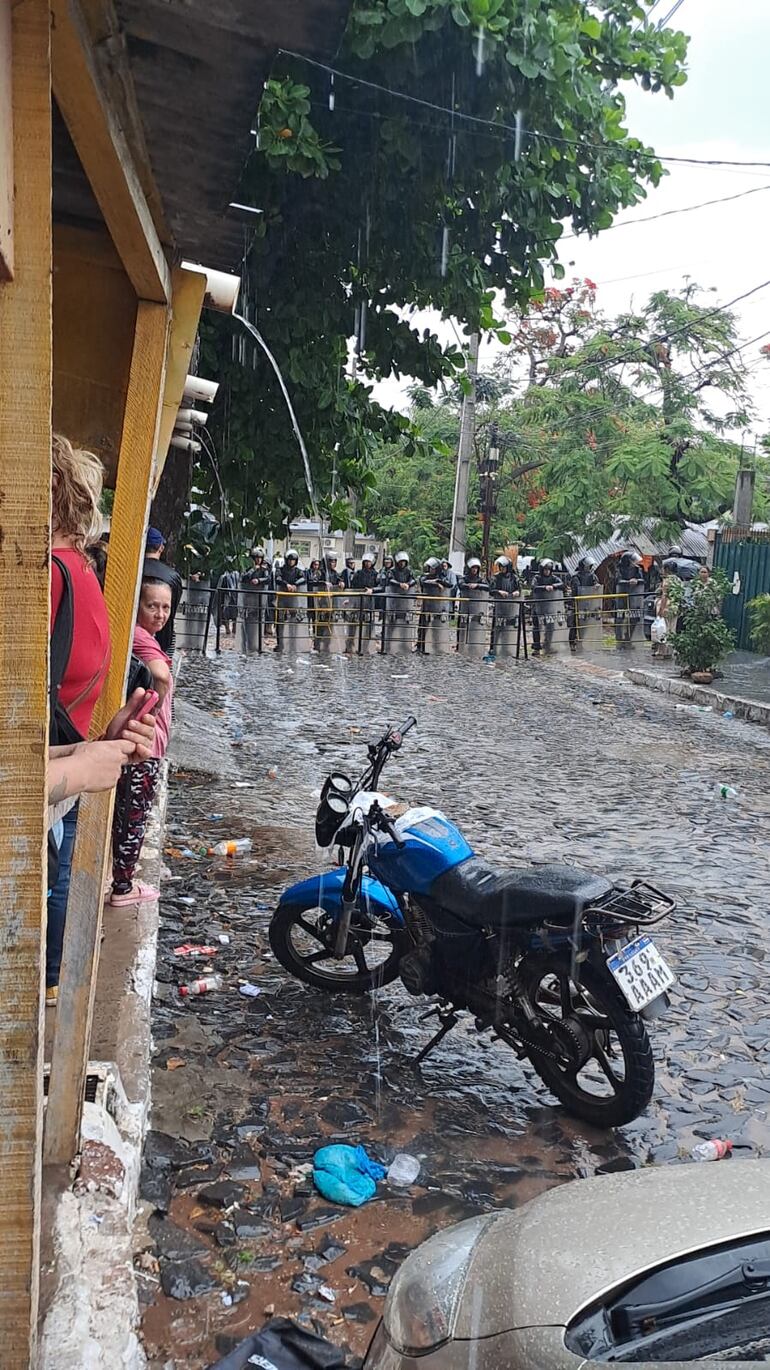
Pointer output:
x,y
541,1264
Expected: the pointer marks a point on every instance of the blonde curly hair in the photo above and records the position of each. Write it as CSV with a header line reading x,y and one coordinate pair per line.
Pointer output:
x,y
76,491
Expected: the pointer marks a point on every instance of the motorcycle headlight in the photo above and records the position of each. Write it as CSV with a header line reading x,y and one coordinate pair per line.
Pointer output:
x,y
424,1298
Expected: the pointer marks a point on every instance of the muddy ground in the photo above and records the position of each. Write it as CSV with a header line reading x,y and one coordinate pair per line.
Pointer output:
x,y
536,762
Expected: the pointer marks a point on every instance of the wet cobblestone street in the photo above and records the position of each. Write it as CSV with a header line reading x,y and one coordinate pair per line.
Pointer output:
x,y
538,761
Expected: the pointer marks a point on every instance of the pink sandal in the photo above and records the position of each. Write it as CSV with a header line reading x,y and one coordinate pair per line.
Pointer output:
x,y
138,894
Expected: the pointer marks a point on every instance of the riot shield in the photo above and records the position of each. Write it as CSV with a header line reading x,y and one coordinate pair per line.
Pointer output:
x,y
292,624
400,620
437,619
474,626
550,620
192,615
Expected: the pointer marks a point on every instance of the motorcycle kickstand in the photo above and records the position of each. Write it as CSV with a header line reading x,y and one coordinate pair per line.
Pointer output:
x,y
448,1021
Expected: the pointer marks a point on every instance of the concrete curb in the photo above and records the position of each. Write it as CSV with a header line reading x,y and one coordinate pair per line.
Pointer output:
x,y
92,1315
749,709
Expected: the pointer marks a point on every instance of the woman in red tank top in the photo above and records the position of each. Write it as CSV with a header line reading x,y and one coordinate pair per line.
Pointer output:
x,y
76,489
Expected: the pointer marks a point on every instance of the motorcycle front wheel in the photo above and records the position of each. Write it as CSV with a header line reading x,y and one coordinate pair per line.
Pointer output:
x,y
606,1073
302,940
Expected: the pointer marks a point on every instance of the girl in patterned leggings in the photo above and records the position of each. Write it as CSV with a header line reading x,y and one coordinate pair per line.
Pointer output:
x,y
136,789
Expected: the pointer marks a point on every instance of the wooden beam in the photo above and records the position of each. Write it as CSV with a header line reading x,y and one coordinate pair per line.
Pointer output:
x,y
101,145
77,982
189,288
25,516
6,145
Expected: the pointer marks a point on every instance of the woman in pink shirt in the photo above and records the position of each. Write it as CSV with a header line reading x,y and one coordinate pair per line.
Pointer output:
x,y
137,786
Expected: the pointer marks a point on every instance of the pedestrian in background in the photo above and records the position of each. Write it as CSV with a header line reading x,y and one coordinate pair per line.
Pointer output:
x,y
155,546
138,783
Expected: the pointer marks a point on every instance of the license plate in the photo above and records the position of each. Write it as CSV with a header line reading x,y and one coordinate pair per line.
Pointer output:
x,y
641,972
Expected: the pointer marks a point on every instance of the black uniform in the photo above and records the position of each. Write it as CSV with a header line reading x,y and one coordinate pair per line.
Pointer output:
x,y
365,579
507,581
544,582
400,579
290,575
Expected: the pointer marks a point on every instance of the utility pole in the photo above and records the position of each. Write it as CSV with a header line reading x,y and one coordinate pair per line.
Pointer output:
x,y
465,451
489,481
745,479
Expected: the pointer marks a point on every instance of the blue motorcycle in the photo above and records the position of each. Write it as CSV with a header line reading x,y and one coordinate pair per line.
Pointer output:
x,y
553,961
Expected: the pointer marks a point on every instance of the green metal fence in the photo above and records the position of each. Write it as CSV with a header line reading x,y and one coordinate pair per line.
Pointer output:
x,y
745,559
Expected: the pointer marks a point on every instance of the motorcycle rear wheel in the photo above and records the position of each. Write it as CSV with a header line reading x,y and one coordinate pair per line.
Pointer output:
x,y
588,997
302,939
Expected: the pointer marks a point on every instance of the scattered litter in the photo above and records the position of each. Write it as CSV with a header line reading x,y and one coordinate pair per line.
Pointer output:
x,y
249,991
272,773
327,1294
715,1150
216,817
404,1170
205,985
223,938
345,1174
727,792
235,847
175,1063
284,1345
194,949
187,900
399,677
728,713
243,784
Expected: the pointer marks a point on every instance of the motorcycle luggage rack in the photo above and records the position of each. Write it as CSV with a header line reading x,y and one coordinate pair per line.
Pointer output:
x,y
642,904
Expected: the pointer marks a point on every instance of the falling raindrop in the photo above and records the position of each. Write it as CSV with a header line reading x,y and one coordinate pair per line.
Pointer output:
x,y
331,92
518,135
361,334
480,50
444,250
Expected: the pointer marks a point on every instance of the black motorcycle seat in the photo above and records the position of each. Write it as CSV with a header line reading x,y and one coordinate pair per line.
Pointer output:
x,y
485,896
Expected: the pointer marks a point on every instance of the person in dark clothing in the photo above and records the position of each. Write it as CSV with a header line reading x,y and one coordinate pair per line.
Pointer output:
x,y
160,570
546,582
450,576
472,602
382,578
360,617
335,579
432,582
318,604
580,584
504,587
400,577
227,600
290,580
348,573
629,583
505,583
258,581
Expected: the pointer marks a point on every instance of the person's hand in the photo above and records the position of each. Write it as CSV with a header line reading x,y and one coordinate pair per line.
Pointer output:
x,y
139,732
102,763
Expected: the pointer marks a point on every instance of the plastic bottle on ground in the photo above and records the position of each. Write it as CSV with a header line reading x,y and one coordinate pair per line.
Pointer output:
x,y
403,1170
236,847
727,792
205,985
714,1150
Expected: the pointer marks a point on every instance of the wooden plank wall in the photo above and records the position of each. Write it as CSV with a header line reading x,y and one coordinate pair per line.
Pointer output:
x,y
77,984
25,512
6,145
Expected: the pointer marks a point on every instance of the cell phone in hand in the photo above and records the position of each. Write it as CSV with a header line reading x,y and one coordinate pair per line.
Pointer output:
x,y
145,706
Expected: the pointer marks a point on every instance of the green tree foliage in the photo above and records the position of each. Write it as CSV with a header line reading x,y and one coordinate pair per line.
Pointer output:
x,y
379,206
597,418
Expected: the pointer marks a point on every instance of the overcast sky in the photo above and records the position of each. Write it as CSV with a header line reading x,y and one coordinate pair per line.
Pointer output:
x,y
722,112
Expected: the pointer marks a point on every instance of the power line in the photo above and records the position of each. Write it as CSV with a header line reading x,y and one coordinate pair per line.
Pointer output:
x,y
668,213
500,125
661,24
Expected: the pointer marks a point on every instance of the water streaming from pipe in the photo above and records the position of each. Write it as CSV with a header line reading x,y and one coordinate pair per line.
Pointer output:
x,y
294,423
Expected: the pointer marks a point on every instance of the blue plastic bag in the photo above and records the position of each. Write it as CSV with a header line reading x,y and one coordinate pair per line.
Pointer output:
x,y
346,1175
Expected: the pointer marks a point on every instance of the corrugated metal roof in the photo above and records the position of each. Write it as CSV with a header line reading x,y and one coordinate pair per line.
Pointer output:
x,y
692,539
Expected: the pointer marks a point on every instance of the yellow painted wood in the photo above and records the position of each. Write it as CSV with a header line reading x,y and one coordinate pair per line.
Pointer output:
x,y
84,914
25,515
6,145
188,290
102,147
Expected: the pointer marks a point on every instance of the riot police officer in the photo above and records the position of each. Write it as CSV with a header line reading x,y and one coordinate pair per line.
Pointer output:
x,y
629,583
546,584
582,580
258,581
